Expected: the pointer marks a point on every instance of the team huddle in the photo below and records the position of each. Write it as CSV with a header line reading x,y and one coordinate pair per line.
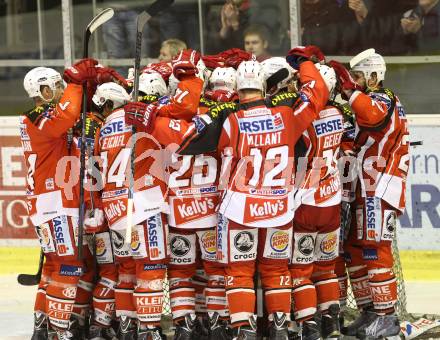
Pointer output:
x,y
222,170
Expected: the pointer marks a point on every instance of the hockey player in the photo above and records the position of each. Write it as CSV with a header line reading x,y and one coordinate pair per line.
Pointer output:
x,y
381,146
193,199
316,222
139,290
257,206
53,208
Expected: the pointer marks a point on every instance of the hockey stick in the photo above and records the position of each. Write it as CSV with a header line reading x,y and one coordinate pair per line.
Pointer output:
x,y
29,279
141,20
416,143
97,21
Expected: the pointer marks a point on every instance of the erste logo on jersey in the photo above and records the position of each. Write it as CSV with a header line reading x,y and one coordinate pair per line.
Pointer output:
x,y
373,217
261,124
62,236
113,127
328,125
261,209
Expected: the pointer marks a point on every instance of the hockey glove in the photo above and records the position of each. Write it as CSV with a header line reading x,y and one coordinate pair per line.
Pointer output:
x,y
213,61
107,75
221,96
234,56
299,54
80,72
140,115
93,220
164,69
345,80
185,63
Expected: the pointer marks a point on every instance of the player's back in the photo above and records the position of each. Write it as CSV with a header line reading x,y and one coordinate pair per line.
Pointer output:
x,y
114,147
321,184
261,144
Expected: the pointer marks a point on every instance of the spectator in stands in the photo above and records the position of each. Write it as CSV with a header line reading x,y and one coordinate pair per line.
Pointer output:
x,y
256,41
422,23
334,25
181,20
170,48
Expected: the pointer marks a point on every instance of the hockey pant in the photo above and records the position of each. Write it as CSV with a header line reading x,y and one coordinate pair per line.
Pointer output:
x,y
241,248
185,278
141,270
61,274
312,268
368,254
104,290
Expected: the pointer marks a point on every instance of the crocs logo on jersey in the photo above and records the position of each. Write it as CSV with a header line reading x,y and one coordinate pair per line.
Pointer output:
x,y
306,245
261,124
135,242
153,224
244,241
208,242
279,241
180,246
328,243
118,239
327,126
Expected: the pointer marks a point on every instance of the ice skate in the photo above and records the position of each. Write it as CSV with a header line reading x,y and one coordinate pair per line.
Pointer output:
x,y
330,323
127,328
101,333
363,320
383,327
185,328
309,331
278,328
40,327
217,327
153,333
247,332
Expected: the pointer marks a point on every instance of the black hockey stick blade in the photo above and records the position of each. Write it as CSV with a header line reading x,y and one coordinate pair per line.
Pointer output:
x,y
30,279
416,143
97,21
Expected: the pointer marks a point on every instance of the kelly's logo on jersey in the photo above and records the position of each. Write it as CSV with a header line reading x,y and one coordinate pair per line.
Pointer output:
x,y
188,209
327,126
257,209
261,124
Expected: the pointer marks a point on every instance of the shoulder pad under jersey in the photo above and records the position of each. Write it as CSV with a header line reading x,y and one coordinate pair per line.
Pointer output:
x,y
345,109
207,140
205,102
283,99
39,112
384,95
221,111
149,98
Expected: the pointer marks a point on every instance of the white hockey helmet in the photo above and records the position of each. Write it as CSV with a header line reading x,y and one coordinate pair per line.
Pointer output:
x,y
153,84
368,62
272,66
223,78
173,82
111,91
250,75
329,76
38,77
